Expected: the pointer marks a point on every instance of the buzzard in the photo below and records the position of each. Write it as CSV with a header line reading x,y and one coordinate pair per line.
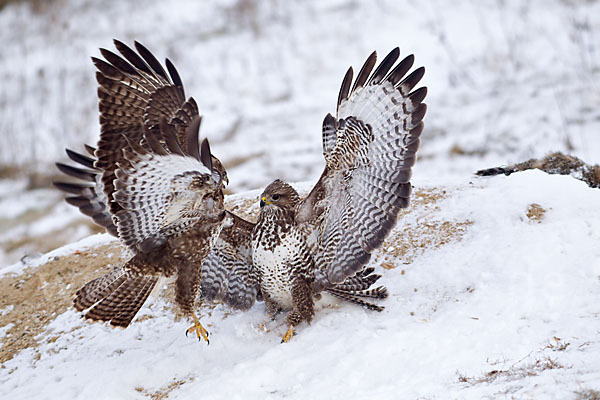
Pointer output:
x,y
303,246
150,183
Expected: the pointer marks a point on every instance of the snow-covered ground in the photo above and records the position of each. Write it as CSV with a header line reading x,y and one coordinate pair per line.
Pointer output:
x,y
505,307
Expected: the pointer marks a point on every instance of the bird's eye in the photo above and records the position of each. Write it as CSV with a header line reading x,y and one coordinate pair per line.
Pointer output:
x,y
275,197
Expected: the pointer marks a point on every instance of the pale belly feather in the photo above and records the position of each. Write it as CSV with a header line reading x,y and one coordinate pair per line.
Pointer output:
x,y
276,269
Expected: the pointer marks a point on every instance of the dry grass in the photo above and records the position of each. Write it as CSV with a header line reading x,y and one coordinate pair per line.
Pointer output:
x,y
515,372
429,231
164,392
535,213
40,294
588,394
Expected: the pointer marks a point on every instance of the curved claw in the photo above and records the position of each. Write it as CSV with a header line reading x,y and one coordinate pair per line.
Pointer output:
x,y
288,335
201,332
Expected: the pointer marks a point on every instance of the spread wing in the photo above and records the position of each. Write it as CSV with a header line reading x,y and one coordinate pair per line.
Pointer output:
x,y
227,270
135,94
370,148
144,180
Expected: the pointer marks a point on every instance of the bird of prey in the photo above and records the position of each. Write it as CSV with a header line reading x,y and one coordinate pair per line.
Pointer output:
x,y
323,242
150,183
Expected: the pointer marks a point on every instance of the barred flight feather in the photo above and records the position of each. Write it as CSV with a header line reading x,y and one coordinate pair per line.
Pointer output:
x,y
372,144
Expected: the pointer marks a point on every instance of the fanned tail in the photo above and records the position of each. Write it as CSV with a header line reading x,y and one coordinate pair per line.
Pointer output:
x,y
355,288
115,297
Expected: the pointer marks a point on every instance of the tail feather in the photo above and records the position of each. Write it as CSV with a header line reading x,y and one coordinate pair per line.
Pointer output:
x,y
115,297
352,299
380,292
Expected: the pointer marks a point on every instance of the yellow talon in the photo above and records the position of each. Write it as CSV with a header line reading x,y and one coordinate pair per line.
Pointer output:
x,y
288,335
199,329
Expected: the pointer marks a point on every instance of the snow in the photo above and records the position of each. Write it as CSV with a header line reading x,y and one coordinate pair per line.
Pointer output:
x,y
505,297
26,262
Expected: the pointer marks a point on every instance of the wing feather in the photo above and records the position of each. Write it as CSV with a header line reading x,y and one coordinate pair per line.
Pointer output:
x,y
135,95
227,270
370,148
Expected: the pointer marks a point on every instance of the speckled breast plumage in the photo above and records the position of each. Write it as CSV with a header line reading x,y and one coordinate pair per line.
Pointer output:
x,y
276,246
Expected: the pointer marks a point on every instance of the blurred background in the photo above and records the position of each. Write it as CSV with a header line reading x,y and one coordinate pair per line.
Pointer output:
x,y
508,80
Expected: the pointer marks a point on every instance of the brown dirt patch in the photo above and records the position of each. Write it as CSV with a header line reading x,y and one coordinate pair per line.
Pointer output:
x,y
535,213
164,392
40,294
429,231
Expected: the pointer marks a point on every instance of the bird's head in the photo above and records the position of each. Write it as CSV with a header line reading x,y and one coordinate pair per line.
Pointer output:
x,y
279,194
220,170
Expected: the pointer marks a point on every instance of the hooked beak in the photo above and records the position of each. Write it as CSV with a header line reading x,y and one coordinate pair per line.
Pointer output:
x,y
264,202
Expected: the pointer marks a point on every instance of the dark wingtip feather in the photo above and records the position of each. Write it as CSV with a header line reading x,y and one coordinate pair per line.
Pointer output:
x,y
116,60
345,88
170,138
80,158
192,133
418,96
91,150
365,71
73,188
205,155
418,114
401,69
174,74
76,172
132,56
384,67
411,81
151,60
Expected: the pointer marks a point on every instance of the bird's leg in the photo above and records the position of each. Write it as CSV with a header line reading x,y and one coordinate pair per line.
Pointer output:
x,y
303,307
198,328
288,335
293,318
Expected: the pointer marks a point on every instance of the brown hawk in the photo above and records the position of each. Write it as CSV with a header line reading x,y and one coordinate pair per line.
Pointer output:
x,y
152,185
301,247
324,241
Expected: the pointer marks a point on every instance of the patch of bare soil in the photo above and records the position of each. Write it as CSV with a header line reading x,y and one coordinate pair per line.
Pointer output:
x,y
38,295
429,231
535,213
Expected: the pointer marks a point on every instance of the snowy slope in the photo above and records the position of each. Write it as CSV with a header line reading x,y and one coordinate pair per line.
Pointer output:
x,y
494,298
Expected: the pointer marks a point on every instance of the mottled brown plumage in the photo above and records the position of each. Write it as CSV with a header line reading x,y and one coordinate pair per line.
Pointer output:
x,y
150,183
323,242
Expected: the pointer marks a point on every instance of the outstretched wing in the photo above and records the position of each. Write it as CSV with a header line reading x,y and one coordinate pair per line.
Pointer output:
x,y
369,148
135,94
162,190
227,270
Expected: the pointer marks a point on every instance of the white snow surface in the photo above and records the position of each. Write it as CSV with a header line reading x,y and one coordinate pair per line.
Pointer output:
x,y
503,298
